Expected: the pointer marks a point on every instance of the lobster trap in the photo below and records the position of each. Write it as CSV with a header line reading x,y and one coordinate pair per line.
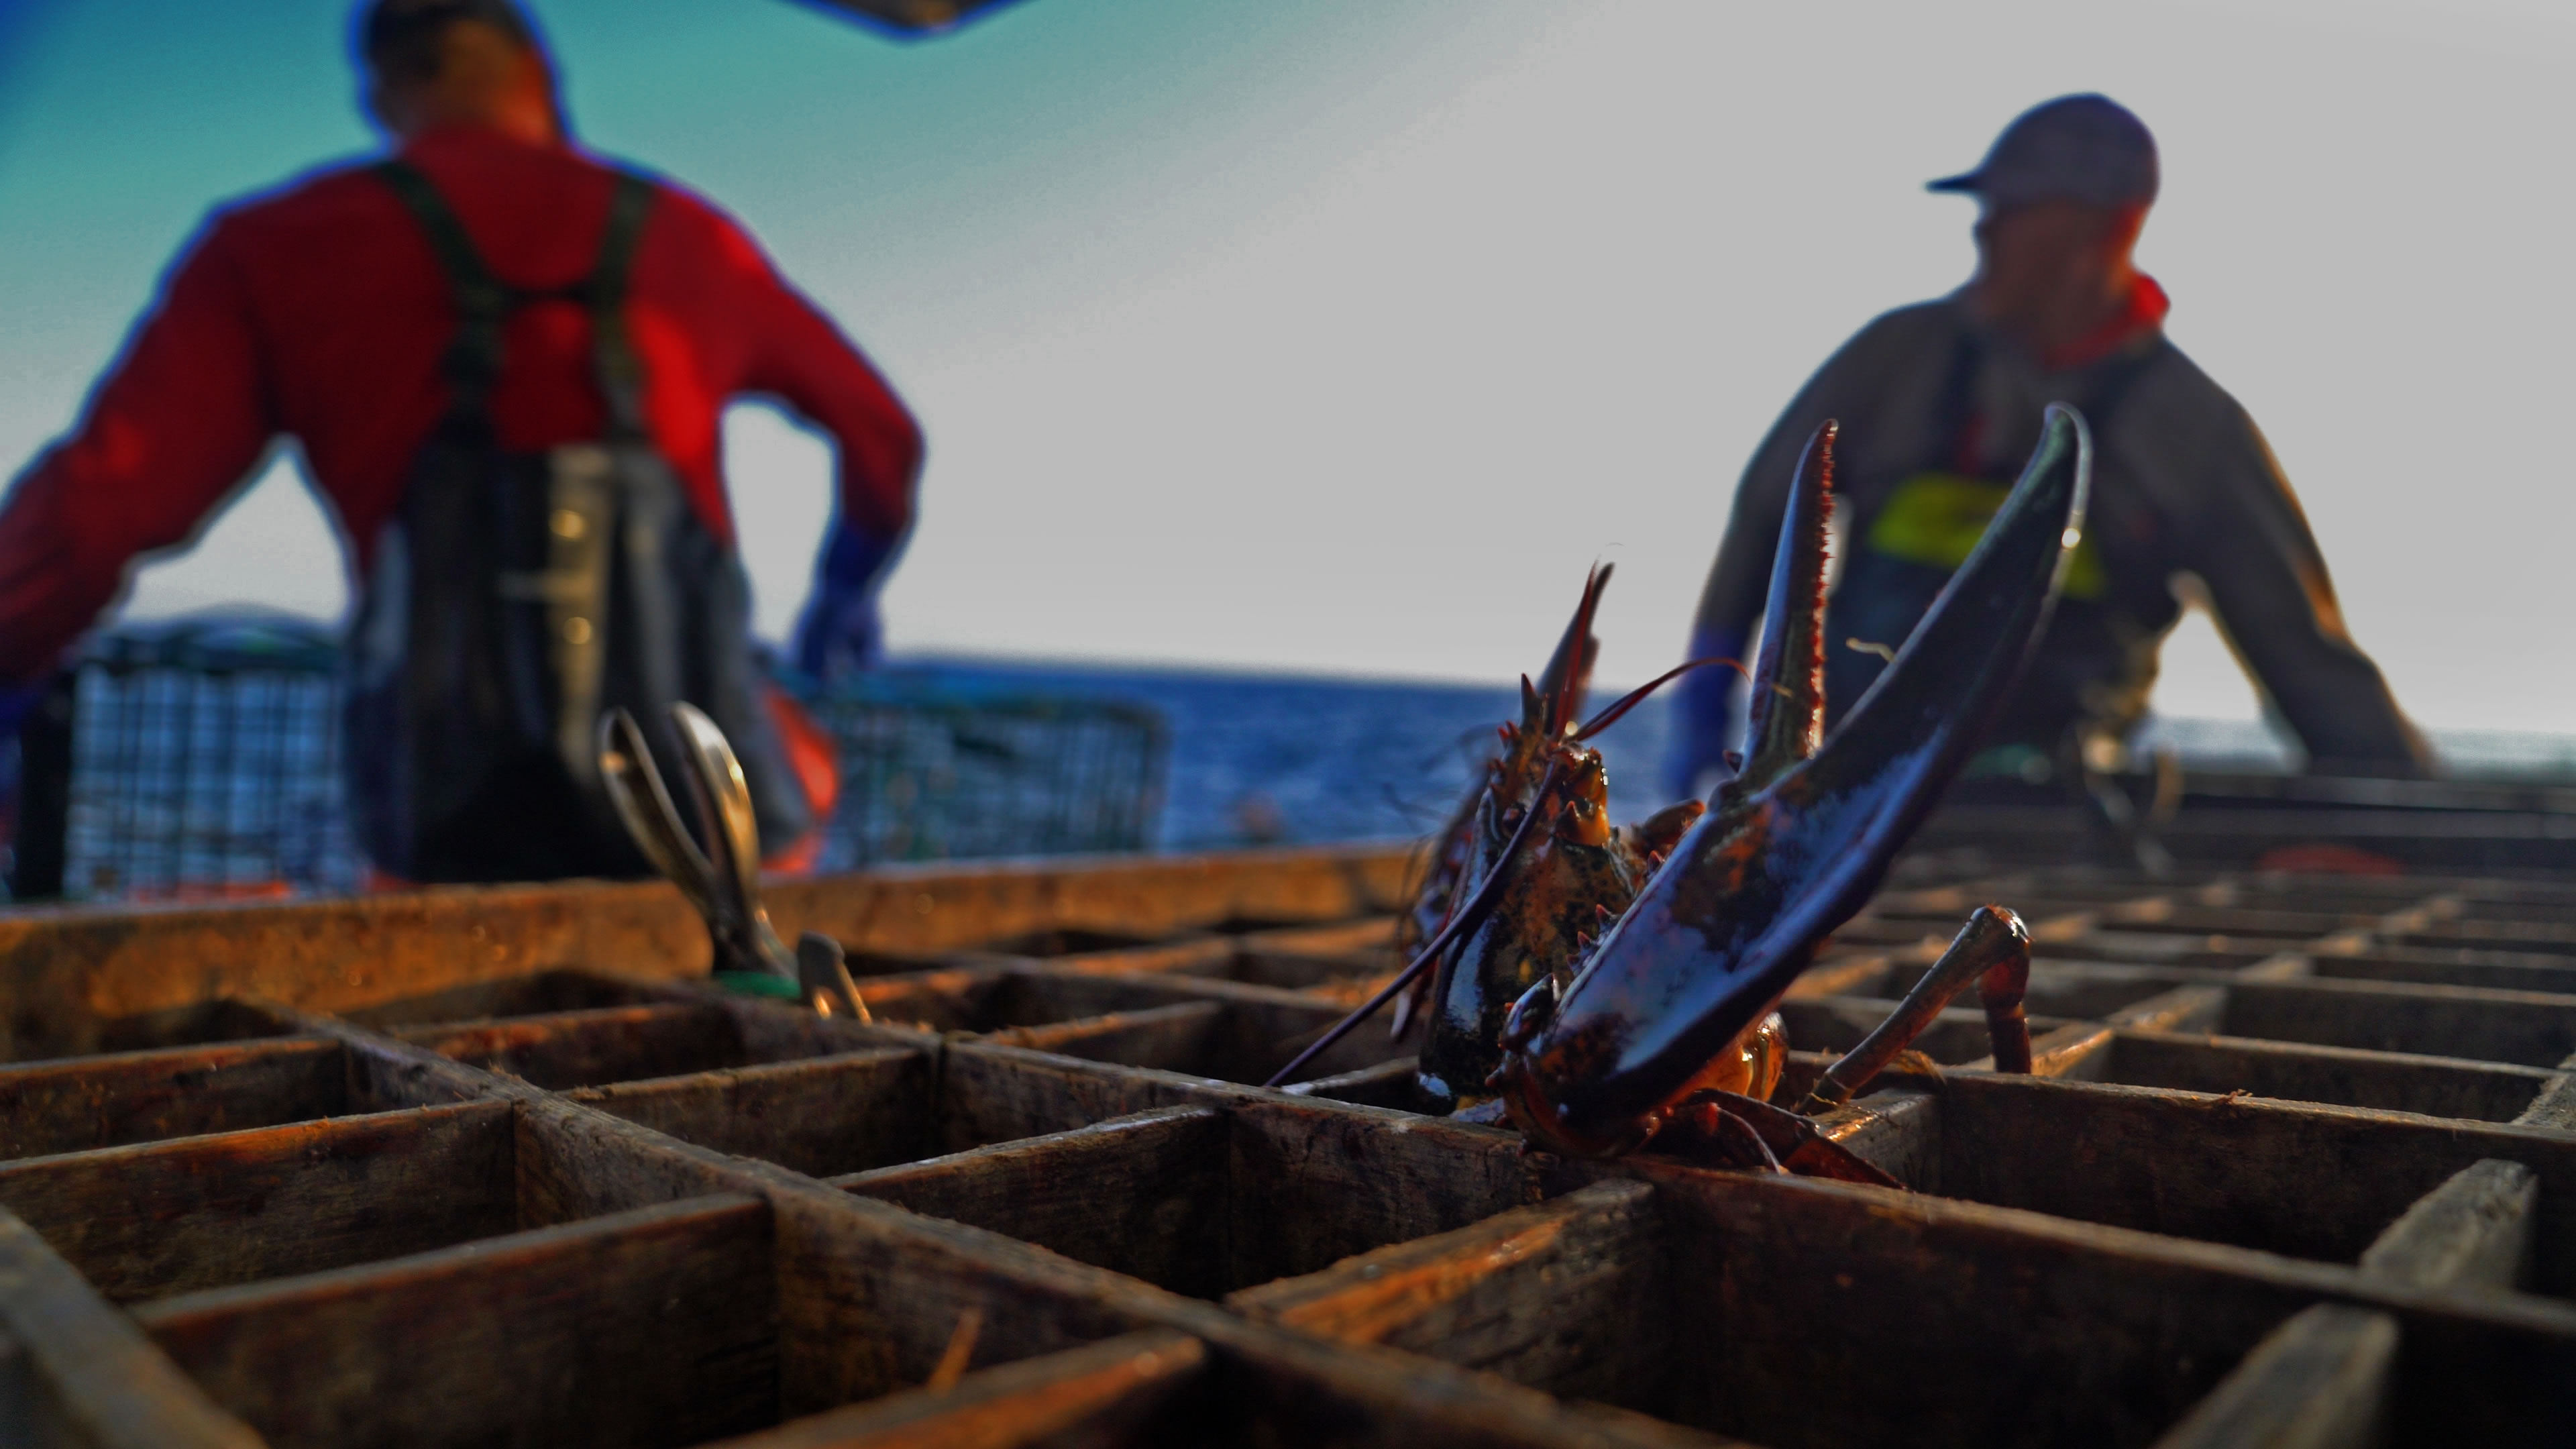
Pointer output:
x,y
497,1166
934,775
204,763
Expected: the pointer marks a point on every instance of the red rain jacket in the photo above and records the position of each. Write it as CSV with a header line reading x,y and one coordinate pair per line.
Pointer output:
x,y
320,312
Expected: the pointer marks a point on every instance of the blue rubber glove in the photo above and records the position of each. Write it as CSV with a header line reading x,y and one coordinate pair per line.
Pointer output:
x,y
1705,722
839,632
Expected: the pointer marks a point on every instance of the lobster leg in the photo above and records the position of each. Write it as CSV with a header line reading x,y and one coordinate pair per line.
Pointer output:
x,y
1725,1130
1994,945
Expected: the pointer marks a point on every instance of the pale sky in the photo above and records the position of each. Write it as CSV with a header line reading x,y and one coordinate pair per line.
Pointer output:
x,y
1343,335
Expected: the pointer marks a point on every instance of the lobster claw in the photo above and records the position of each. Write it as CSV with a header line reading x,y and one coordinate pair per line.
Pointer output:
x,y
1800,840
1786,715
1569,670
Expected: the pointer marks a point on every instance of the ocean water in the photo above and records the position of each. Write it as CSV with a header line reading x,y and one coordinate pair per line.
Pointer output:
x,y
168,798
1263,758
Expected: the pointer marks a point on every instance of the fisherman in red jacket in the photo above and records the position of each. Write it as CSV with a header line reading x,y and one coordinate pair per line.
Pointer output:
x,y
505,360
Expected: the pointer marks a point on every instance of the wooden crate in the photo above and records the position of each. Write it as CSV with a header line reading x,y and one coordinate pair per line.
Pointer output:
x,y
491,1167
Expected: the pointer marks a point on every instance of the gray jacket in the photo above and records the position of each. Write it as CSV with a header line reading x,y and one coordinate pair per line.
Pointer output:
x,y
2183,483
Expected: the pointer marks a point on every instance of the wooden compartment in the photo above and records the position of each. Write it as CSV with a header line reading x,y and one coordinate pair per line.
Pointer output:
x,y
538,994
2298,1167
159,1218
604,1044
112,1100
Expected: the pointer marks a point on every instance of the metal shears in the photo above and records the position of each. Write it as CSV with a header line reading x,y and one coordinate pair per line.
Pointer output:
x,y
722,879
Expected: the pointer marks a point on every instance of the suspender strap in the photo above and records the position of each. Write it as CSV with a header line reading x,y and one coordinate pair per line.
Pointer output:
x,y
484,304
1958,405
621,371
473,361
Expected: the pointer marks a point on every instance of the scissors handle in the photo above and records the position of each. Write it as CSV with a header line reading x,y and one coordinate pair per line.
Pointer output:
x,y
722,880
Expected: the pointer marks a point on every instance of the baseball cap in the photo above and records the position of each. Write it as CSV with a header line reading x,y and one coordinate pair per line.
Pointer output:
x,y
2086,148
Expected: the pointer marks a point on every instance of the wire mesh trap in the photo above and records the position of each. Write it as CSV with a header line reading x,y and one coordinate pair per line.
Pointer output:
x,y
496,1167
204,764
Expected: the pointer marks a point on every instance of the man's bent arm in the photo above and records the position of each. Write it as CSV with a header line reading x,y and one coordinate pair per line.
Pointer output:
x,y
1730,604
803,360
2268,581
169,432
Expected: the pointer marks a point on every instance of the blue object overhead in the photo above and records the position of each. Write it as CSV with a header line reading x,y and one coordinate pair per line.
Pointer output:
x,y
912,17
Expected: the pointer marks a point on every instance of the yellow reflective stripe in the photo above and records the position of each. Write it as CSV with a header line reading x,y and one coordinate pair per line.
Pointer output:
x,y
1937,518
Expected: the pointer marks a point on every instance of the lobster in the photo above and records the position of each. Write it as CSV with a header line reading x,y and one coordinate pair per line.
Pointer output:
x,y
1556,887
1513,775
1664,1028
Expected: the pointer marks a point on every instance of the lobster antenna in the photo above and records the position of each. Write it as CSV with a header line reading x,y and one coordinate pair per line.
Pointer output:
x,y
1569,670
1461,922
1635,697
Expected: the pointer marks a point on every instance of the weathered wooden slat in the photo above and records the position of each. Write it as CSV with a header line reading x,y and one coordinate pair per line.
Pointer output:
x,y
1175,1038
2320,1381
2531,1028
870,1296
1144,1195
2079,1052
2310,1181
1314,1182
821,1116
74,1371
1544,1295
108,1101
2070,989
2325,1378
2183,1009
1348,974
2105,946
1901,1306
952,998
2474,1230
70,972
2554,937
1055,941
1290,1389
779,1031
1262,1028
168,1217
2493,970
999,1094
1095,954
658,1326
1895,1126
2346,1076
541,993
1137,1388
1388,1084
1367,934
2554,1106
593,1047
391,1073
